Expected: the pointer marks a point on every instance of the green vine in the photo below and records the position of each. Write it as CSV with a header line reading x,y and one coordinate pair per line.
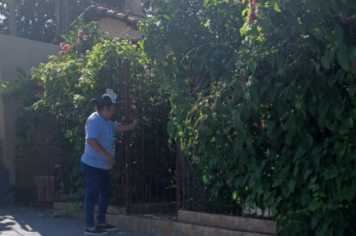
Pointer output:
x,y
264,92
58,99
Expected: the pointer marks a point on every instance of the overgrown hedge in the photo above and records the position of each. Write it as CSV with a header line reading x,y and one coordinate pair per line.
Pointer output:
x,y
89,62
263,93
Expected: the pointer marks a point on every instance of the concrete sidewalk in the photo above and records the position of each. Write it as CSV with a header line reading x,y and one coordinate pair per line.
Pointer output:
x,y
25,221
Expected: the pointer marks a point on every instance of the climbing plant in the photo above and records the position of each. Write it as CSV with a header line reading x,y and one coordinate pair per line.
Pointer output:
x,y
88,62
263,93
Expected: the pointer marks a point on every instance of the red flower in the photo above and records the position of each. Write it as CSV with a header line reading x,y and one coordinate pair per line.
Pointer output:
x,y
85,37
345,20
254,2
79,43
81,33
66,47
251,17
354,64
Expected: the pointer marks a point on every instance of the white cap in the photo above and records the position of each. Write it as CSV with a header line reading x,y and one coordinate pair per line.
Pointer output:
x,y
110,93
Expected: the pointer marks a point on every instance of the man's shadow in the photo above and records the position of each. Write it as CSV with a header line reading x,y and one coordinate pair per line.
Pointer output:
x,y
5,226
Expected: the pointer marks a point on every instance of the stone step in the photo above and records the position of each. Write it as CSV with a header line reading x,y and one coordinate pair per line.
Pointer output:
x,y
139,208
262,225
188,224
158,227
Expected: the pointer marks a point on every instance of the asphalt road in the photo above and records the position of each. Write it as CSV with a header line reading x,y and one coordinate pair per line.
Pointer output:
x,y
24,221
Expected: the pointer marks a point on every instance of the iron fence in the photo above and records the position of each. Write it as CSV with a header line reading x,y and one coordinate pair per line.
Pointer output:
x,y
144,177
151,175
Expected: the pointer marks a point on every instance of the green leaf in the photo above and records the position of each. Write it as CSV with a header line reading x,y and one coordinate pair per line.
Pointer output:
x,y
170,127
290,136
300,152
350,122
291,185
349,192
317,67
243,29
352,89
167,17
339,109
307,173
343,57
207,24
327,59
277,183
271,124
323,109
314,222
276,7
244,12
252,66
339,35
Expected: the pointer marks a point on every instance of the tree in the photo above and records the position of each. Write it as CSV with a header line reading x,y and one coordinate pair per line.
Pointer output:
x,y
36,18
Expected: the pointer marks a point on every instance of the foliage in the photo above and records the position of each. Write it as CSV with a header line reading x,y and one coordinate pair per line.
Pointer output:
x,y
24,195
36,19
61,91
264,91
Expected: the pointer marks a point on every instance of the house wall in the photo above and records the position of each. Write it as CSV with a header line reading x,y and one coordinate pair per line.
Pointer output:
x,y
117,28
133,6
23,54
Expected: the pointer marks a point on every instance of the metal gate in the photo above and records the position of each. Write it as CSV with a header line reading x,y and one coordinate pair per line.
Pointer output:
x,y
144,178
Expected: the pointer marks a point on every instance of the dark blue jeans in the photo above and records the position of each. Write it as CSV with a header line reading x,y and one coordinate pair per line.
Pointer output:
x,y
98,183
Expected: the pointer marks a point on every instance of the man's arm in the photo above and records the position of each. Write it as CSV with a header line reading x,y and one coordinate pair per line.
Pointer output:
x,y
97,147
124,128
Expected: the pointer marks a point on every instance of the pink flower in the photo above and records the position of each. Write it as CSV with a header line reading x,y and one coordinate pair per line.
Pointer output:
x,y
61,53
66,47
61,45
354,64
81,33
345,20
85,37
254,2
79,43
251,17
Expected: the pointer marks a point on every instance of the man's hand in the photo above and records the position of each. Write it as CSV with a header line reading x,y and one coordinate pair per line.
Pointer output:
x,y
111,161
135,122
97,147
125,128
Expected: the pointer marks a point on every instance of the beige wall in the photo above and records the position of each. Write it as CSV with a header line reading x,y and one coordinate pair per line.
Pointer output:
x,y
24,54
117,28
133,6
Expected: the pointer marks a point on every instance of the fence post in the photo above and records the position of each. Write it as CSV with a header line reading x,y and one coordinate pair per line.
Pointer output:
x,y
127,138
178,173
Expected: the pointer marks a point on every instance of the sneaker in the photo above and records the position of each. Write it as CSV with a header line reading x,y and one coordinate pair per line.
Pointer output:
x,y
97,231
107,227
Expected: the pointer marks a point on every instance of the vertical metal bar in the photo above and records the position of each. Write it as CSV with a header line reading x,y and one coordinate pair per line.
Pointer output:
x,y
178,169
158,166
13,19
65,17
58,20
127,138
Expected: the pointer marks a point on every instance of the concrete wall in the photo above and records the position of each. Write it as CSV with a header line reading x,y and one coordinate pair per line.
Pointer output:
x,y
133,6
23,54
117,28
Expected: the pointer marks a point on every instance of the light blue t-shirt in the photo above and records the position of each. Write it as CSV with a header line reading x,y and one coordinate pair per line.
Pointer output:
x,y
105,132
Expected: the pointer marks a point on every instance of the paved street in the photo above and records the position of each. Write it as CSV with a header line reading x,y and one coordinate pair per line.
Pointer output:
x,y
24,221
